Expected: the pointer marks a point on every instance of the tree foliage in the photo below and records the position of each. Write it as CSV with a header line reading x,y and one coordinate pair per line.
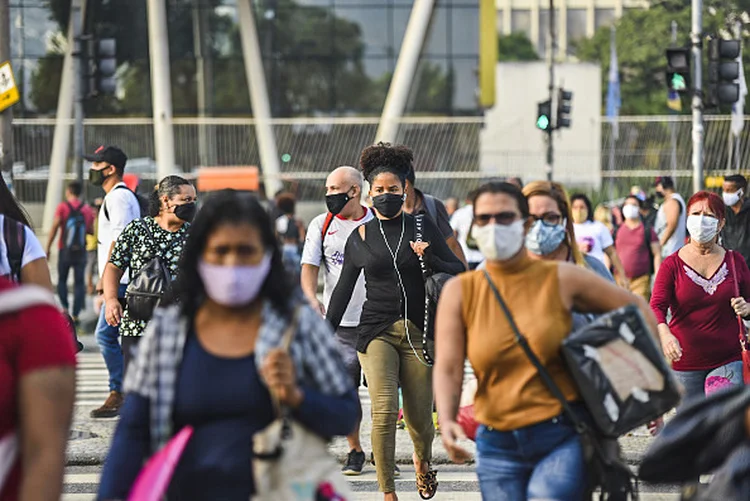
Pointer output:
x,y
313,61
516,47
641,38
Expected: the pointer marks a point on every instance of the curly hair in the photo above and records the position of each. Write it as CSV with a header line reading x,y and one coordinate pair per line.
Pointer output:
x,y
397,157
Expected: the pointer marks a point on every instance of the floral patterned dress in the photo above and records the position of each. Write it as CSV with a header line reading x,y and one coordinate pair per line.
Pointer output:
x,y
135,247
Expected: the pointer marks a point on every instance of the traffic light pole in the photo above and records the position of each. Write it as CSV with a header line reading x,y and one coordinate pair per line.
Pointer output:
x,y
696,37
78,90
551,65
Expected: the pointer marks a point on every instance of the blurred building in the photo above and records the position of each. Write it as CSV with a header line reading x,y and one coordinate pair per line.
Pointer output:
x,y
574,19
322,57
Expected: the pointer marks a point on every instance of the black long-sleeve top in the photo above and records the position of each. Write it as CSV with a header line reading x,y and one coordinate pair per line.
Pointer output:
x,y
384,303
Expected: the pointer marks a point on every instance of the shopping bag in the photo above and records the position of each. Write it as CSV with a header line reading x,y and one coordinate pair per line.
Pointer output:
x,y
153,480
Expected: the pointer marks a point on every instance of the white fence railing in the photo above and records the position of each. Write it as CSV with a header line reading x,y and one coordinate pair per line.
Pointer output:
x,y
447,149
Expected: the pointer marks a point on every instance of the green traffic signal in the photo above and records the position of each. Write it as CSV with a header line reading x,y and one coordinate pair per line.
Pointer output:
x,y
678,82
544,115
286,157
542,122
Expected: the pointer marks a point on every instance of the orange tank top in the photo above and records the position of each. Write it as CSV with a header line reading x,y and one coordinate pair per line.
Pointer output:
x,y
510,393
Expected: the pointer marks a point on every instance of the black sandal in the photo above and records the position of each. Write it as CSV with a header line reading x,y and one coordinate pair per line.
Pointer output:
x,y
427,484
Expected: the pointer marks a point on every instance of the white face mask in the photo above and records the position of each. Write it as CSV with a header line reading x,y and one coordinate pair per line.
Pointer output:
x,y
499,242
730,199
630,212
702,228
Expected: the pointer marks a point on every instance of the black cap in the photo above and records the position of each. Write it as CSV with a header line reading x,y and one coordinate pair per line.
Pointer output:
x,y
110,154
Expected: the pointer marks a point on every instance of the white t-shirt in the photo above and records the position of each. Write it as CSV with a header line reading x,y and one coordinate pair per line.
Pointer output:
x,y
594,236
31,252
461,223
333,248
122,207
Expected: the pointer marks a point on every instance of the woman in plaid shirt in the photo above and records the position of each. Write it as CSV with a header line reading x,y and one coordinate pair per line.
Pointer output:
x,y
210,359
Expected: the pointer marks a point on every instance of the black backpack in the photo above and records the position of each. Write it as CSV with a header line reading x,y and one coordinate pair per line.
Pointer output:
x,y
146,289
74,231
14,234
142,202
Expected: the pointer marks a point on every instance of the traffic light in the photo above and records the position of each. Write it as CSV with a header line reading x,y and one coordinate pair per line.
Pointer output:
x,y
564,105
102,66
544,115
723,71
678,69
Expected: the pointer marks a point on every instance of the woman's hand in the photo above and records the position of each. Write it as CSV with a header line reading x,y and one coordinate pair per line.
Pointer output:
x,y
671,346
451,432
419,248
280,377
112,311
741,307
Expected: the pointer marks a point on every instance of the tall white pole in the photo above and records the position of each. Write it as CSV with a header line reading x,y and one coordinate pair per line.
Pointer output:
x,y
696,36
63,124
406,67
161,87
256,80
6,116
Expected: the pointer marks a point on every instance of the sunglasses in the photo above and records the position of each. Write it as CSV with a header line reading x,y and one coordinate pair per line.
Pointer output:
x,y
501,218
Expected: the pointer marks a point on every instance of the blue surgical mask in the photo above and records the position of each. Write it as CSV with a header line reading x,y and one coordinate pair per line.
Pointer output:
x,y
543,239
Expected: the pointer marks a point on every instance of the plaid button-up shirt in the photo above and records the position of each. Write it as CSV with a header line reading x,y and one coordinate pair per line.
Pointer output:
x,y
153,373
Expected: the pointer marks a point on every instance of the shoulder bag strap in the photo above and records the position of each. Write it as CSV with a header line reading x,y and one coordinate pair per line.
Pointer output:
x,y
419,237
323,231
580,426
733,265
14,234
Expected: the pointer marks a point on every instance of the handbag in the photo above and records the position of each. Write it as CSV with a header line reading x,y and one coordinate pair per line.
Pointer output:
x,y
465,417
699,438
152,281
292,463
741,325
433,286
603,457
620,372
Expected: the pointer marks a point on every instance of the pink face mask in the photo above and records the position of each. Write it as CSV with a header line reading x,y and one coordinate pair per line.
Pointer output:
x,y
234,286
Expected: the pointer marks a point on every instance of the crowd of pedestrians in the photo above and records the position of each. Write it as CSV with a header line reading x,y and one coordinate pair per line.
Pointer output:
x,y
211,320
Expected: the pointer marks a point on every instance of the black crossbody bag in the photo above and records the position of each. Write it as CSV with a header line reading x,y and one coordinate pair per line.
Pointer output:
x,y
603,459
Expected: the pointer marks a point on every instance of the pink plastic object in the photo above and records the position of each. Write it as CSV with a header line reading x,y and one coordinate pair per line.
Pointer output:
x,y
153,480
716,383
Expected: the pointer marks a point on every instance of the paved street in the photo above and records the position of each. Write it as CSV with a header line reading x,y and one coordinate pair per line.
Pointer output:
x,y
90,440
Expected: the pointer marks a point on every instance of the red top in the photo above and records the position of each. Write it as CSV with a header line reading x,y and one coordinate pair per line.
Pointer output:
x,y
34,339
632,250
703,320
63,211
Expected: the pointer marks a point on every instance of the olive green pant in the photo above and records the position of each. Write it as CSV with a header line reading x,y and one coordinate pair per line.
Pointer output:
x,y
388,362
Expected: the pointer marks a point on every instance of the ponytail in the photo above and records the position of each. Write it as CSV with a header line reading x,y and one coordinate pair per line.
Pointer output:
x,y
154,203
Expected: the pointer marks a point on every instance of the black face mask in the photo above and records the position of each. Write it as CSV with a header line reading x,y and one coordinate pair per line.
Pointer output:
x,y
337,202
388,204
186,212
97,177
659,194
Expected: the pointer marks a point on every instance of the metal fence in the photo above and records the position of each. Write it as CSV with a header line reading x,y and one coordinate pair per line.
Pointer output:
x,y
447,149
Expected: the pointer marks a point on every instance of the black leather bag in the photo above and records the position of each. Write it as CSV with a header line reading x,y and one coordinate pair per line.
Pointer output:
x,y
146,289
607,471
620,372
433,286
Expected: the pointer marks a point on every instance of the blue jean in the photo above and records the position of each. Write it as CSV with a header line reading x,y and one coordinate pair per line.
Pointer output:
x,y
695,381
107,339
64,264
539,462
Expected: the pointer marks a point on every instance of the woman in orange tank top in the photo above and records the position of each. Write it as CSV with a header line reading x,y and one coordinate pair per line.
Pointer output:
x,y
526,446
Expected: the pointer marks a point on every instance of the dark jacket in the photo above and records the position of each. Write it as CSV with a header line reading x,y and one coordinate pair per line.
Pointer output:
x,y
736,233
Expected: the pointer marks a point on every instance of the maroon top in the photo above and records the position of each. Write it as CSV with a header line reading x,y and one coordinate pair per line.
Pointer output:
x,y
703,320
633,250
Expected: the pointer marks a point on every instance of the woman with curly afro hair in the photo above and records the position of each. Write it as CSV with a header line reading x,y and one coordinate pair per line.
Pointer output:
x,y
401,158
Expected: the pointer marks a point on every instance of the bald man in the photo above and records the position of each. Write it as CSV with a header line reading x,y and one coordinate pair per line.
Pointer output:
x,y
324,244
